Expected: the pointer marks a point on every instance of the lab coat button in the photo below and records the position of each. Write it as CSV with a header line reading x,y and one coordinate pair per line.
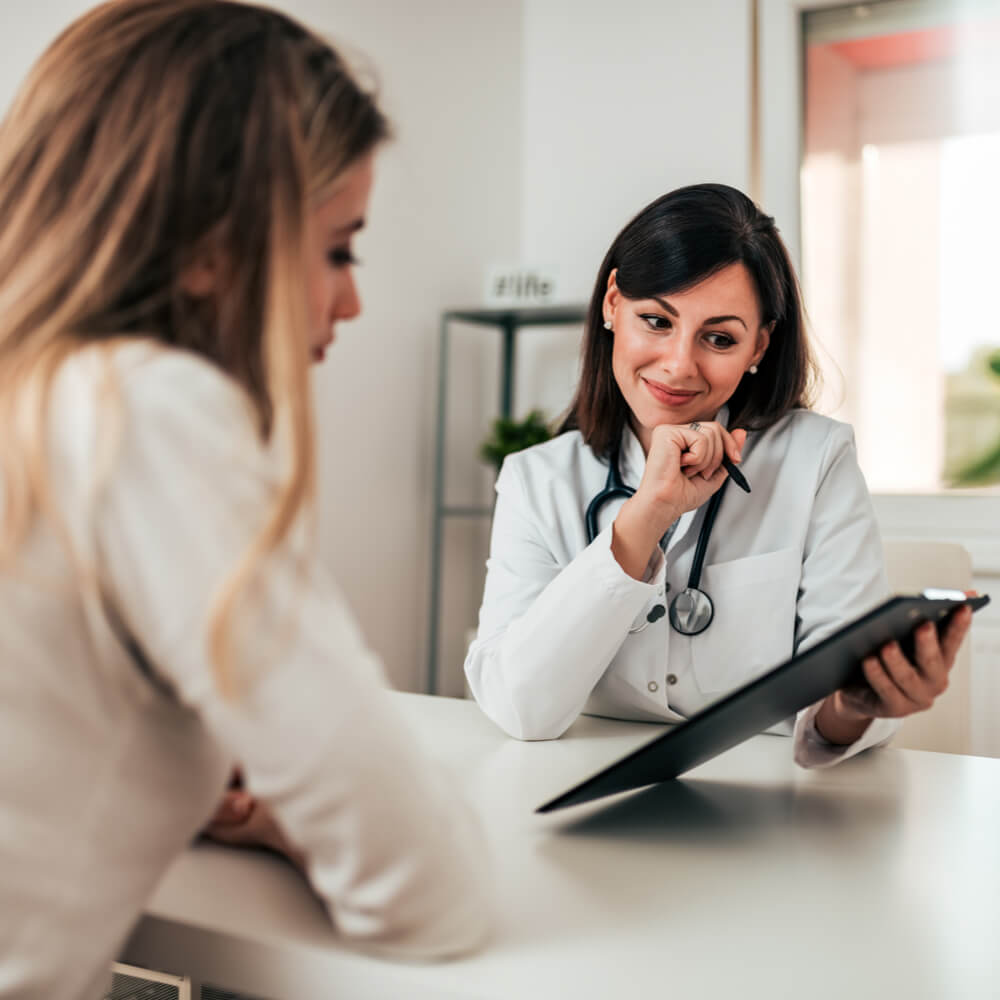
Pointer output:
x,y
653,686
671,678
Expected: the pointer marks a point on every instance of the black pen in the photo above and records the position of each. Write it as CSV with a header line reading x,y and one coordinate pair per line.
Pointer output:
x,y
735,475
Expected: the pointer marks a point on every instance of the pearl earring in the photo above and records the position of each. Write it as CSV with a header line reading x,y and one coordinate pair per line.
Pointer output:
x,y
753,369
607,324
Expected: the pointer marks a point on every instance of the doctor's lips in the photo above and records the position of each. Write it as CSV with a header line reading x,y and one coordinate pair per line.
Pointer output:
x,y
667,395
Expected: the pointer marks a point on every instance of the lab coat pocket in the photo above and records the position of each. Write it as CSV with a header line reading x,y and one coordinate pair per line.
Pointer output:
x,y
754,624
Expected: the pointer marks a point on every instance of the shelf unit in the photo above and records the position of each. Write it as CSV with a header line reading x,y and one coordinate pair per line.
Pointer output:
x,y
507,321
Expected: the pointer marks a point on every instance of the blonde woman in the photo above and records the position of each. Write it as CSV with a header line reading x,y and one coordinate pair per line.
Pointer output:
x,y
180,182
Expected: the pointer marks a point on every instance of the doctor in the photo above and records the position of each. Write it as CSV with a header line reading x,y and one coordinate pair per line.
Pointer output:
x,y
597,597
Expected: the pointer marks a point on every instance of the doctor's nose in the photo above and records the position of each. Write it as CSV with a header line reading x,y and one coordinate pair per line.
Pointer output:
x,y
678,359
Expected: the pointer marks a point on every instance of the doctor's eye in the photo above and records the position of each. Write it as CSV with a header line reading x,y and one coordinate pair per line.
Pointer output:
x,y
655,321
342,257
720,340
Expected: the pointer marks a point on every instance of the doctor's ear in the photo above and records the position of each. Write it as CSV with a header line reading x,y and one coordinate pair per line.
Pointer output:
x,y
611,299
763,341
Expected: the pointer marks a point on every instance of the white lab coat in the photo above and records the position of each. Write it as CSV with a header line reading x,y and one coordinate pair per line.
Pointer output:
x,y
786,566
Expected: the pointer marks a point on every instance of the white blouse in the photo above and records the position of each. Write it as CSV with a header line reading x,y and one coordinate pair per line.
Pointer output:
x,y
111,761
786,565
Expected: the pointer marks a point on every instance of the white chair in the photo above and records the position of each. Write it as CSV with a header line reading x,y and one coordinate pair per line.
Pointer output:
x,y
913,565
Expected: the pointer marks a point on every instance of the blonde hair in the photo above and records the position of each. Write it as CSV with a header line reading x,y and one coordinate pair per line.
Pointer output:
x,y
149,130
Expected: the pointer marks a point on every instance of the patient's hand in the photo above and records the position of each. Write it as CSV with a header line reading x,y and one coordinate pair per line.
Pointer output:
x,y
243,821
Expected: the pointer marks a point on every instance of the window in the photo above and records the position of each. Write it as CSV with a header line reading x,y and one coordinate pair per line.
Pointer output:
x,y
900,223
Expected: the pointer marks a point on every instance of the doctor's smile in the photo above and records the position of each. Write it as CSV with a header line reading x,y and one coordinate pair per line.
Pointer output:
x,y
669,396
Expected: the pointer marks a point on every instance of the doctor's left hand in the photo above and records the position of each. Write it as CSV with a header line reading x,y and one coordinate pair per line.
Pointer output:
x,y
896,686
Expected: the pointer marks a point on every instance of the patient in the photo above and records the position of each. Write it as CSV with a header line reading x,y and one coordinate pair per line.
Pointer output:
x,y
180,186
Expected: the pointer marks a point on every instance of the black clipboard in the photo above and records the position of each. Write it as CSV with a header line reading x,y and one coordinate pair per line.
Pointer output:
x,y
776,695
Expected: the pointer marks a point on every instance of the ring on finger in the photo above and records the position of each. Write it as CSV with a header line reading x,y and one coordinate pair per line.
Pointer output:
x,y
695,426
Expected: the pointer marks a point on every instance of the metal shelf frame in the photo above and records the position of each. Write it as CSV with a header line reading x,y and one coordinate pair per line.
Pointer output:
x,y
507,321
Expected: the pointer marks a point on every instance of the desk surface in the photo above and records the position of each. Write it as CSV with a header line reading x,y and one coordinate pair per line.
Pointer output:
x,y
748,878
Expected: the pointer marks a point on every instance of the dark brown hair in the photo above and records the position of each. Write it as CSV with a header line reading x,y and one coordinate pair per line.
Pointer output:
x,y
672,244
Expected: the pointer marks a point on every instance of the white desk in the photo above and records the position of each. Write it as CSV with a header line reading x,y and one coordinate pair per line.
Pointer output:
x,y
749,878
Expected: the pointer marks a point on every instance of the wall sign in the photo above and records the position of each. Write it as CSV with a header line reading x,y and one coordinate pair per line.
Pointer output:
x,y
521,286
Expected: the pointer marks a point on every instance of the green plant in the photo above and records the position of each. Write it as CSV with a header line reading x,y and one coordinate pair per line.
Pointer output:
x,y
986,468
508,436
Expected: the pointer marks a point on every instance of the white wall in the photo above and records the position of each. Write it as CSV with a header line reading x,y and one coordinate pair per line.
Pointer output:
x,y
623,102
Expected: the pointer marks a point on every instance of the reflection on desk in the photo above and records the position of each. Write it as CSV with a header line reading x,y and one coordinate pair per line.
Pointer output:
x,y
747,878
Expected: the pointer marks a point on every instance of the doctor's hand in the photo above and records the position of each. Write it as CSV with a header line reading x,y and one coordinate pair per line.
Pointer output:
x,y
896,686
683,469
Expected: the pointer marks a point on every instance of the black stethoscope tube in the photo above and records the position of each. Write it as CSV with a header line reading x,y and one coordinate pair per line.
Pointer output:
x,y
613,488
691,611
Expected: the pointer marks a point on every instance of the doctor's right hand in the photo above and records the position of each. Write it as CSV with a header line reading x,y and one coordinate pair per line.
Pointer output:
x,y
683,469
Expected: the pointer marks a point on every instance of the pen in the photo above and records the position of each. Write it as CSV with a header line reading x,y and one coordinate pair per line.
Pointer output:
x,y
735,475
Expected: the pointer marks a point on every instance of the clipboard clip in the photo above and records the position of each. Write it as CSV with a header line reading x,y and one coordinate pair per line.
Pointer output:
x,y
941,594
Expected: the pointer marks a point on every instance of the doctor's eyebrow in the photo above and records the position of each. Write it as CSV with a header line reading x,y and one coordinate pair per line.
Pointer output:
x,y
725,319
711,319
665,304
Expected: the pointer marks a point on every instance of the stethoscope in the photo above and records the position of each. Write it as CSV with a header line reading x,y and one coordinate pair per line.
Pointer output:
x,y
691,611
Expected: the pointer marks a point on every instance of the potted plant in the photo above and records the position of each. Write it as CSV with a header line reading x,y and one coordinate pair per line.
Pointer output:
x,y
508,435
985,468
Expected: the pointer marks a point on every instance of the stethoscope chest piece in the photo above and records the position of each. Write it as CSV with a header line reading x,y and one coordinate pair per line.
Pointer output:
x,y
691,611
